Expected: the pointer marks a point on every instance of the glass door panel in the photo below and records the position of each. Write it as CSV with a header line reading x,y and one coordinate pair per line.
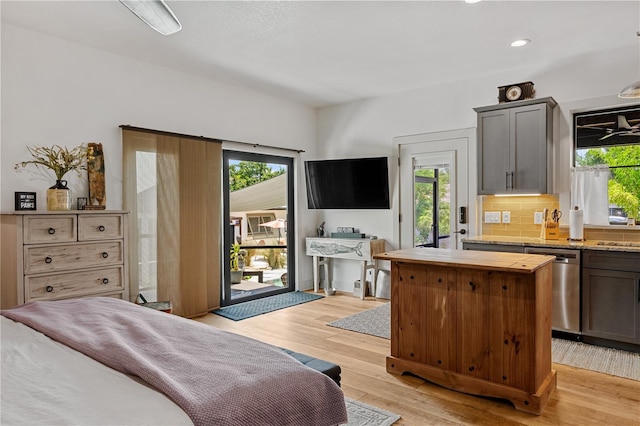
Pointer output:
x,y
258,194
432,207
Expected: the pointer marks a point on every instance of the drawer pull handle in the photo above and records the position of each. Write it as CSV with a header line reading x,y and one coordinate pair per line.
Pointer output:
x,y
48,259
49,289
51,231
101,228
105,254
105,281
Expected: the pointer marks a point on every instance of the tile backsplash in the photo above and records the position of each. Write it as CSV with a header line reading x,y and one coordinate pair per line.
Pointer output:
x,y
522,210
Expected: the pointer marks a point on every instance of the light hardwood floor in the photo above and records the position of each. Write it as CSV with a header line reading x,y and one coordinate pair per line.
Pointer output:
x,y
583,397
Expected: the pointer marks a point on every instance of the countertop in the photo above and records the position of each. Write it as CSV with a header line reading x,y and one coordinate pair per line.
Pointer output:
x,y
507,262
625,246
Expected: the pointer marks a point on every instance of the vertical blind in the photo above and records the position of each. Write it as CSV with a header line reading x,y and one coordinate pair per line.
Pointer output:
x,y
172,187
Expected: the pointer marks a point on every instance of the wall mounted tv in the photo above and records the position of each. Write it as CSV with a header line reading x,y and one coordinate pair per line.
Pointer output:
x,y
353,183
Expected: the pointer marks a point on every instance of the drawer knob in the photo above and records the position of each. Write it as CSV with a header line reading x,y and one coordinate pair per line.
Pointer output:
x,y
101,228
51,231
49,289
48,259
105,281
105,254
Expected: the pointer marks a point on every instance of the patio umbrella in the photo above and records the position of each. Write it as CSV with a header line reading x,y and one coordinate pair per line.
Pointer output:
x,y
277,224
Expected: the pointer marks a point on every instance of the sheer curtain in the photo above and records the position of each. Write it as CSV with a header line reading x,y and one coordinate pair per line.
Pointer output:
x,y
589,191
172,187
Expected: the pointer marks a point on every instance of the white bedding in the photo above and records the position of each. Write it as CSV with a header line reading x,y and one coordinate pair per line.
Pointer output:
x,y
67,387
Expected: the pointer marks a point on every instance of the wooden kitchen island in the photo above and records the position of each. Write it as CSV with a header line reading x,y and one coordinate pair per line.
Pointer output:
x,y
476,322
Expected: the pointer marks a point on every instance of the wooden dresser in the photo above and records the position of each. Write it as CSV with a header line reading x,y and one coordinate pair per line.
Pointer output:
x,y
59,255
476,322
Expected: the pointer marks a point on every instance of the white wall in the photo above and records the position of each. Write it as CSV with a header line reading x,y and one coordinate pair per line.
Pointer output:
x,y
57,92
367,127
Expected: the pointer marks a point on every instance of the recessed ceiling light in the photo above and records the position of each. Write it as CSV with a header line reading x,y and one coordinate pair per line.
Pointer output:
x,y
472,1
520,43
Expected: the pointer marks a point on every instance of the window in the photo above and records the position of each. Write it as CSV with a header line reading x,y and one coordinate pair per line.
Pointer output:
x,y
256,231
611,138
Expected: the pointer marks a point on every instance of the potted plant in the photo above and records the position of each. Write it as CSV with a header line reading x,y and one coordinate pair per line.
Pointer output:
x,y
61,161
236,262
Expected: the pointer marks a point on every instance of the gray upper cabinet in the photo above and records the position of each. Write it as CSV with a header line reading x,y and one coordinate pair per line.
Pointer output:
x,y
515,147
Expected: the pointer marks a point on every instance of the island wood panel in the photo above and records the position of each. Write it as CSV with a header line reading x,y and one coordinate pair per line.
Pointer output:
x,y
474,332
488,332
428,320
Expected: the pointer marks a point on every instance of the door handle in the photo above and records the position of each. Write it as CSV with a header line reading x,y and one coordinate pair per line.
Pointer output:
x,y
462,231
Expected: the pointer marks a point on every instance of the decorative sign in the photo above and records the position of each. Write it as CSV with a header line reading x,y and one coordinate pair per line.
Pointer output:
x,y
25,200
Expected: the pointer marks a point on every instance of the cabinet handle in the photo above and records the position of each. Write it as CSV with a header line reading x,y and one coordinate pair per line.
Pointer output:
x,y
506,180
105,254
48,259
101,228
105,281
51,231
638,290
49,289
473,286
512,175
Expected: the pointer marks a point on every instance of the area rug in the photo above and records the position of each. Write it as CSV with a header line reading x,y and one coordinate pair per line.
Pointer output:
x,y
361,414
376,322
266,304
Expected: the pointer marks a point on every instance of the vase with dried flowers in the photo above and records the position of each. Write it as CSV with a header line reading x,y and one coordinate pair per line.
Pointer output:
x,y
60,160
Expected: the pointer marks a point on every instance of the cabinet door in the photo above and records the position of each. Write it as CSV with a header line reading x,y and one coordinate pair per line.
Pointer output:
x,y
611,305
493,152
426,310
528,149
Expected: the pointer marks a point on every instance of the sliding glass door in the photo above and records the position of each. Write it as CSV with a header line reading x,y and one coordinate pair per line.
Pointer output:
x,y
258,236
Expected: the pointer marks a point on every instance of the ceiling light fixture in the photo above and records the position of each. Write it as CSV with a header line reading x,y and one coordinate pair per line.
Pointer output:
x,y
633,90
472,1
156,14
520,43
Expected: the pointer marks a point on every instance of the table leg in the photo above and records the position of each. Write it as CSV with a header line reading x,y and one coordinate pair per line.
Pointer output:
x,y
325,263
363,279
315,274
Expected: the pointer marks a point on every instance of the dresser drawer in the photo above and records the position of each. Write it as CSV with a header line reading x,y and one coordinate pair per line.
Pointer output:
x,y
100,227
49,229
74,284
53,258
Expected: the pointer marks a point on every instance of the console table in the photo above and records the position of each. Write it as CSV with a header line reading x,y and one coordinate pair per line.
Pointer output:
x,y
360,249
475,323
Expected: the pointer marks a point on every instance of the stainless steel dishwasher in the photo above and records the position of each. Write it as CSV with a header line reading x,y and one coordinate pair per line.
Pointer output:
x,y
566,288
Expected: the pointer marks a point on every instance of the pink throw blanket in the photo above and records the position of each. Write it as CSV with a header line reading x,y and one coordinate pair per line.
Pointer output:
x,y
216,377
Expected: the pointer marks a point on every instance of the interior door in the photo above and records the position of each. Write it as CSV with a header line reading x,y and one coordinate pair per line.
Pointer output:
x,y
434,186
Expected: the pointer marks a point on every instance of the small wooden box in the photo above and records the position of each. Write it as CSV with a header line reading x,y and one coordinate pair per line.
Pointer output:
x,y
551,233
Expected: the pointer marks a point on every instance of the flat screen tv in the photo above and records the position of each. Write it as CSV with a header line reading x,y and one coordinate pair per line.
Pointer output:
x,y
353,183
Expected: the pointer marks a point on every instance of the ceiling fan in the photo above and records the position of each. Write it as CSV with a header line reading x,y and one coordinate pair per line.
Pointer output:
x,y
623,128
156,14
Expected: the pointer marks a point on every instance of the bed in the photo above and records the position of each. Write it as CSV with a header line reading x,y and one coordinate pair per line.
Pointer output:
x,y
105,361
